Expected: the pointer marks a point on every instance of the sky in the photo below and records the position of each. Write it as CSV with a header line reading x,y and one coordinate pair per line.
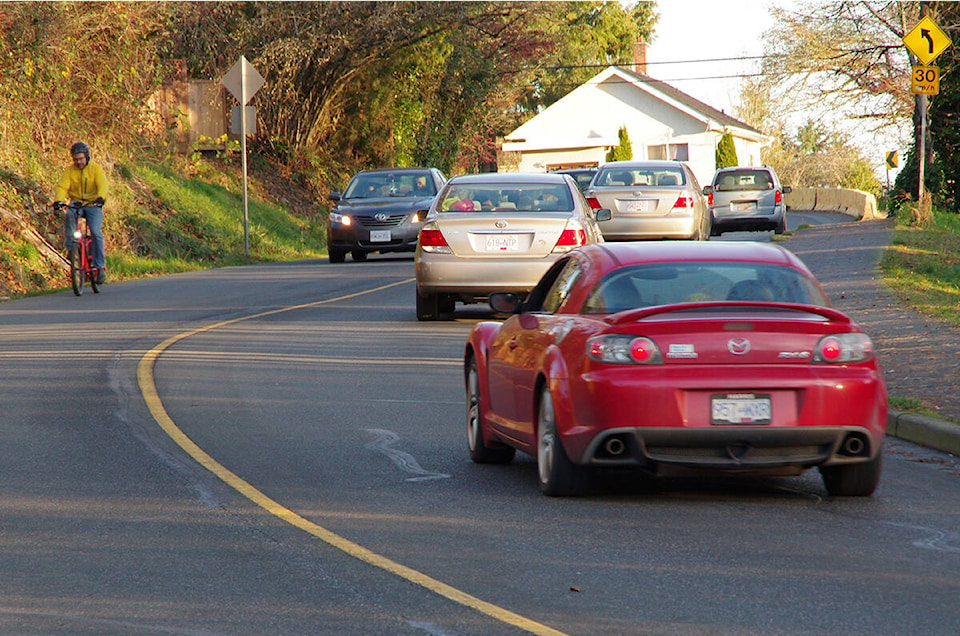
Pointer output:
x,y
708,30
714,29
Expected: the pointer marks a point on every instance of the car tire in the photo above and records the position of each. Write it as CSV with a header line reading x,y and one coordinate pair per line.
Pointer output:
x,y
480,453
428,307
559,477
336,256
852,480
781,225
358,255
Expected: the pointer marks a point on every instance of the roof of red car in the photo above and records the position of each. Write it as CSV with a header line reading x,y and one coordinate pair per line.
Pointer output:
x,y
637,252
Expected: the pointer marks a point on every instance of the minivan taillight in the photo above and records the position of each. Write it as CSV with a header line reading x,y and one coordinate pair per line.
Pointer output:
x,y
594,203
778,197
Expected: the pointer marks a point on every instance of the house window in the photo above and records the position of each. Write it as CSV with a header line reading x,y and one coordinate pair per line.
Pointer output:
x,y
676,152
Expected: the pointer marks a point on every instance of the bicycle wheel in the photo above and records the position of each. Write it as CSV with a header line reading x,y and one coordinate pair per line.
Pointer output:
x,y
78,273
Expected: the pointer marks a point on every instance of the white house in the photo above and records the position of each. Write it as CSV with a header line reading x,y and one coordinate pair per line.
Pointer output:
x,y
661,121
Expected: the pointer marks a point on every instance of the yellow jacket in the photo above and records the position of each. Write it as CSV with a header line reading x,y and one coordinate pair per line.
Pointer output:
x,y
85,185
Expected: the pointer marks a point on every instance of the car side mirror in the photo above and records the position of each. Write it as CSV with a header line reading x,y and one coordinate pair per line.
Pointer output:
x,y
505,302
708,189
603,214
334,196
786,189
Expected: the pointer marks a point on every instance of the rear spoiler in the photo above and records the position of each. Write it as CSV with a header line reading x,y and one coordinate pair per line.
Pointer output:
x,y
633,315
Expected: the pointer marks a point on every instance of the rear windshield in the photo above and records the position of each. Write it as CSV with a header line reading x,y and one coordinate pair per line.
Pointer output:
x,y
640,177
506,197
670,283
744,180
388,184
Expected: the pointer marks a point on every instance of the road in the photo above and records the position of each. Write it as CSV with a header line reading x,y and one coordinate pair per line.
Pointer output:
x,y
302,469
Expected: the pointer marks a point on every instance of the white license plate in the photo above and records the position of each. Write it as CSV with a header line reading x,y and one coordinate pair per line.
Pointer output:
x,y
642,205
740,408
503,243
379,236
743,206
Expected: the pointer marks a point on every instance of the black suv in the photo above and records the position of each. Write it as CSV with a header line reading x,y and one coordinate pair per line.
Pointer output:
x,y
380,211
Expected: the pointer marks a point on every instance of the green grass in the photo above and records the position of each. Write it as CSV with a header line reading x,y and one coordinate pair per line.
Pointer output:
x,y
200,225
922,265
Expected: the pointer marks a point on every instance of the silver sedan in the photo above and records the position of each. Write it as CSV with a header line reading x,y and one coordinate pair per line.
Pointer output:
x,y
497,232
650,200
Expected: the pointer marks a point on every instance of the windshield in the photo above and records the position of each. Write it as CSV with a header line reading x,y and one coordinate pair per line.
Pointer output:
x,y
671,283
389,184
504,197
744,180
620,176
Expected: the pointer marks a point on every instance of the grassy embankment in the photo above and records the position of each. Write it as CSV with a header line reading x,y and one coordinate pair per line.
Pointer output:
x,y
922,266
162,217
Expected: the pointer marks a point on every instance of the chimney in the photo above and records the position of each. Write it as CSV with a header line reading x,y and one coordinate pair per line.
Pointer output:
x,y
640,56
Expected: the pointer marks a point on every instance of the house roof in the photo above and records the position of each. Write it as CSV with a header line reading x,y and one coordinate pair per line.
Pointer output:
x,y
580,134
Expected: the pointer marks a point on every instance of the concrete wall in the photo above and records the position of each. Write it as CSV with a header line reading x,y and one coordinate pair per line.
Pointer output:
x,y
856,203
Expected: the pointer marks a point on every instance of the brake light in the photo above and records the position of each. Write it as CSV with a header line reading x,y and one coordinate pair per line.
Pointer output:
x,y
569,239
594,203
778,197
683,202
844,347
432,240
623,349
710,199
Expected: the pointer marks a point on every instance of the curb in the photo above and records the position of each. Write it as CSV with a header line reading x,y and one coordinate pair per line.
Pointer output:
x,y
926,431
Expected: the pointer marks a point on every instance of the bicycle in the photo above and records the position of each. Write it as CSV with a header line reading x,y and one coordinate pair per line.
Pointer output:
x,y
81,255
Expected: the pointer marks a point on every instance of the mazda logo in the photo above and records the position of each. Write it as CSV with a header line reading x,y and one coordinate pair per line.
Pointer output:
x,y
501,224
380,216
738,346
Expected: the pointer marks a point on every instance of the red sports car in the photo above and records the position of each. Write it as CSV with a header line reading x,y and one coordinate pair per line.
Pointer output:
x,y
723,356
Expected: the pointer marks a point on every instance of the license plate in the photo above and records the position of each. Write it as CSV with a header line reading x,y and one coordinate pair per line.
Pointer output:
x,y
641,205
503,243
379,236
740,408
743,206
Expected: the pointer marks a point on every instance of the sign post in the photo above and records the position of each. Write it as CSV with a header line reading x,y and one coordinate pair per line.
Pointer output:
x,y
243,81
926,41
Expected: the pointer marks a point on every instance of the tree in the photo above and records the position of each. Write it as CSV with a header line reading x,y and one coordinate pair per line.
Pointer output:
x,y
727,151
623,151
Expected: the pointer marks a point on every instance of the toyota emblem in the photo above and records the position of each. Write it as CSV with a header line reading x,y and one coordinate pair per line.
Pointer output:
x,y
738,346
501,224
380,216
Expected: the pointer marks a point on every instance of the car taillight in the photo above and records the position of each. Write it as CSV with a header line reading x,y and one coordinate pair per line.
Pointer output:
x,y
594,203
569,239
710,199
844,347
432,240
623,349
683,202
778,197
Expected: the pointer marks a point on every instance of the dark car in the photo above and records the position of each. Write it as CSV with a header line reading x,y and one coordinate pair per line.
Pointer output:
x,y
380,211
583,176
748,199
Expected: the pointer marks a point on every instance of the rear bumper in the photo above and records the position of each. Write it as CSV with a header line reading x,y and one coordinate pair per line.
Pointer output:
x,y
640,228
472,280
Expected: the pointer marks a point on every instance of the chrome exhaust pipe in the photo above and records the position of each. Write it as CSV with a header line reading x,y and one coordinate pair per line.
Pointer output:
x,y
853,445
614,446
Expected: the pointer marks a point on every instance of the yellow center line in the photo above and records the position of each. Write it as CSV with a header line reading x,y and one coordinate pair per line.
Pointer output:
x,y
148,389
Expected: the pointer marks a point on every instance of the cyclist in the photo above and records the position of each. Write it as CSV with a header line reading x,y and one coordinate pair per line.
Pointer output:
x,y
85,184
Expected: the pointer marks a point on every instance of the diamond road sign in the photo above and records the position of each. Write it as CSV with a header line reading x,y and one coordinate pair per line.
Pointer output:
x,y
243,81
926,40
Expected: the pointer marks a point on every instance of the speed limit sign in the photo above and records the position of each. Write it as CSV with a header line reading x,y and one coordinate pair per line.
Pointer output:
x,y
925,80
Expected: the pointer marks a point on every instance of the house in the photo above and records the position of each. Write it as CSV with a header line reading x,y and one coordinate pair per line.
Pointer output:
x,y
661,121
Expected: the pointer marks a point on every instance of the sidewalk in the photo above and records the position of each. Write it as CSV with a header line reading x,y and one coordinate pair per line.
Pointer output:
x,y
920,355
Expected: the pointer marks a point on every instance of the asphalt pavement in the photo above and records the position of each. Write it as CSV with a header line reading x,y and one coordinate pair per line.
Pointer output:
x,y
920,355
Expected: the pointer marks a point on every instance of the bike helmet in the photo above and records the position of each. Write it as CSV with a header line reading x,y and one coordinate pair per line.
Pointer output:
x,y
80,147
